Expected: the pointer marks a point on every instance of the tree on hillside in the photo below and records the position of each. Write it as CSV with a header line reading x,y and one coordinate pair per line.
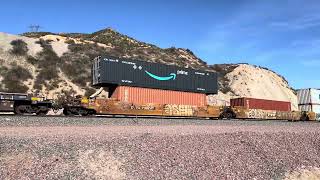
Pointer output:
x,y
19,47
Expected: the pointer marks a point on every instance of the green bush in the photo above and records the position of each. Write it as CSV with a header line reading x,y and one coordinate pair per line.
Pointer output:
x,y
45,44
76,63
89,91
32,60
13,79
19,47
53,84
37,34
47,62
225,89
70,41
17,73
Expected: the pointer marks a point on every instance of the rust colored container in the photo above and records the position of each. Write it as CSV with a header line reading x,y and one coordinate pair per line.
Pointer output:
x,y
137,95
252,103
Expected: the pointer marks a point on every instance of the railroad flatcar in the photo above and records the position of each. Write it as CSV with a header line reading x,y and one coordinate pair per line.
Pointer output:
x,y
20,103
106,106
26,104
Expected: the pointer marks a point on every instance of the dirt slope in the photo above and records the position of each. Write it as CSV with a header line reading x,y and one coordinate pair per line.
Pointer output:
x,y
256,82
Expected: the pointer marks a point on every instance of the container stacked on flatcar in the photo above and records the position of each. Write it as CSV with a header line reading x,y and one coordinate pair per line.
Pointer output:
x,y
138,95
263,104
251,108
309,101
144,82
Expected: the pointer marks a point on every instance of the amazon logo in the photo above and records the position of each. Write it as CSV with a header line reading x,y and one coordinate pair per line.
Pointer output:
x,y
172,76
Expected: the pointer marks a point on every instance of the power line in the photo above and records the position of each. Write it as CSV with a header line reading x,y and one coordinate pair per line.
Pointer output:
x,y
34,28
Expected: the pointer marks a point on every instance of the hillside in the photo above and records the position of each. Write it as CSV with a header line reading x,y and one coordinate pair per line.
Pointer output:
x,y
257,82
54,64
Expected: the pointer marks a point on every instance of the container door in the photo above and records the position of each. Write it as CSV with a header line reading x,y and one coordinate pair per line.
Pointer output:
x,y
315,96
316,109
96,71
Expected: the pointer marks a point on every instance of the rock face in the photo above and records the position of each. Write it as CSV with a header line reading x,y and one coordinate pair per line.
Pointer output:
x,y
55,64
256,82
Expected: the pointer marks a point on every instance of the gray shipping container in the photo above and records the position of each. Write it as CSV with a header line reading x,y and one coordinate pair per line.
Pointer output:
x,y
309,100
309,96
110,71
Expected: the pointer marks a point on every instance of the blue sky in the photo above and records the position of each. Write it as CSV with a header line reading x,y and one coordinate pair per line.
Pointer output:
x,y
281,35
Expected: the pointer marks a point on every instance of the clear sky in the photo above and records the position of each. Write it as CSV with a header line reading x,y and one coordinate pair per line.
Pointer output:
x,y
283,35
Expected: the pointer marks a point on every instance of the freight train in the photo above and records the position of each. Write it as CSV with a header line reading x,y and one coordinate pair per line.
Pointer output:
x,y
139,88
22,104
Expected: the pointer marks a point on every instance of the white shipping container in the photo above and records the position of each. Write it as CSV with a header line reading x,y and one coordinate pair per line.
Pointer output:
x,y
311,108
309,96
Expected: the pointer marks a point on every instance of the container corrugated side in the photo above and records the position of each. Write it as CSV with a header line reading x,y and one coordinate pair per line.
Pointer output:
x,y
108,71
311,108
252,103
308,96
304,96
137,95
315,96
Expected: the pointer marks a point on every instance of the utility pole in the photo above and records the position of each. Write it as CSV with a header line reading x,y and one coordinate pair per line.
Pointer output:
x,y
34,28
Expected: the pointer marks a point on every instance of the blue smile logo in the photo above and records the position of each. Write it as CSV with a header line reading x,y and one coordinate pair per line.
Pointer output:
x,y
172,76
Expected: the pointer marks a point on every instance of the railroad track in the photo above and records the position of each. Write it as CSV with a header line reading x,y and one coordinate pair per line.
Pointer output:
x,y
137,119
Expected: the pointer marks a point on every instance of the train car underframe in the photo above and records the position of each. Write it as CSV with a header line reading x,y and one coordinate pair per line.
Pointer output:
x,y
112,107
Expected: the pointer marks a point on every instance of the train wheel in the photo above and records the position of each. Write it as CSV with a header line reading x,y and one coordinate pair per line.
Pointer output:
x,y
91,112
42,110
66,112
42,113
304,118
84,113
229,115
20,109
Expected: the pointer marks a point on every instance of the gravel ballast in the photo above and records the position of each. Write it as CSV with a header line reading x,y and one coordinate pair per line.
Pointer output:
x,y
132,148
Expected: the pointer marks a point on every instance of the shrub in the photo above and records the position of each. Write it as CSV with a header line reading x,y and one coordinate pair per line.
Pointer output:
x,y
53,84
32,60
19,47
89,91
76,63
13,79
171,50
18,73
46,74
225,89
70,41
45,44
37,34
47,63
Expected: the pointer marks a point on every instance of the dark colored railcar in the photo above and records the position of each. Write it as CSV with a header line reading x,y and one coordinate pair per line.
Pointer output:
x,y
110,71
20,103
